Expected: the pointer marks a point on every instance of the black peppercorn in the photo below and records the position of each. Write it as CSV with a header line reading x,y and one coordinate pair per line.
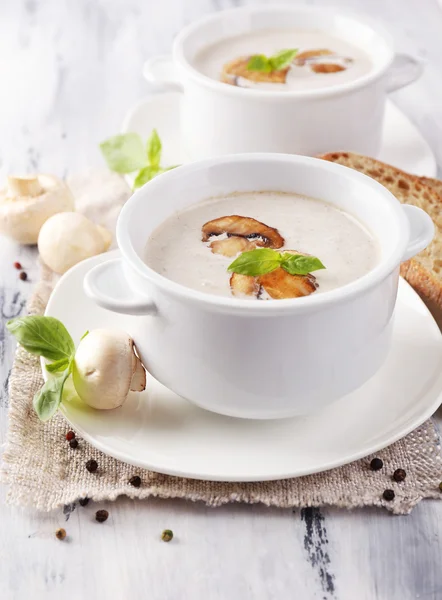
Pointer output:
x,y
70,436
91,465
73,443
60,534
101,516
83,501
135,481
388,495
399,475
376,464
23,276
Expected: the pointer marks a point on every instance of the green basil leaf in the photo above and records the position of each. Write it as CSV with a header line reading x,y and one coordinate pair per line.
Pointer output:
x,y
154,149
57,365
256,262
297,264
43,336
124,153
145,175
259,62
282,59
48,399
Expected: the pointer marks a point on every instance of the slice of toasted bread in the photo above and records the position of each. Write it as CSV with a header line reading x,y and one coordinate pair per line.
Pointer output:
x,y
423,272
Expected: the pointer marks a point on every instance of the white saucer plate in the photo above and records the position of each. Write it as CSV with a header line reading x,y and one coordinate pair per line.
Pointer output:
x,y
160,431
403,146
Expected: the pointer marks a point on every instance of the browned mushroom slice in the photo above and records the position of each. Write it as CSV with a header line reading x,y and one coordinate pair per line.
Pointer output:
x,y
261,234
327,68
280,285
232,246
237,68
304,57
244,285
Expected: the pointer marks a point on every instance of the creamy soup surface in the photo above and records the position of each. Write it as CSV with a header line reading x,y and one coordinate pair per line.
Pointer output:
x,y
176,250
212,60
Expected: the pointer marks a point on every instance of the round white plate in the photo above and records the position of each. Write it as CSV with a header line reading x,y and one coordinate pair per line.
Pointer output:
x,y
402,146
160,431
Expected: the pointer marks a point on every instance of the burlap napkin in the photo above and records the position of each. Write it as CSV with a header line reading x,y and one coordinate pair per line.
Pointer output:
x,y
44,472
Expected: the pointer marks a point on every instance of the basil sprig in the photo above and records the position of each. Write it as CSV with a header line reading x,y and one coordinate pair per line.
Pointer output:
x,y
265,260
268,64
126,153
47,337
48,398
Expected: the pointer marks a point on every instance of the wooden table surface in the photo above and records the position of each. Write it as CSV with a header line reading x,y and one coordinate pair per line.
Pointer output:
x,y
69,71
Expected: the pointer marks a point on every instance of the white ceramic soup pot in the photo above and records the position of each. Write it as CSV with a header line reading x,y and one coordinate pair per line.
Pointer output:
x,y
217,118
254,358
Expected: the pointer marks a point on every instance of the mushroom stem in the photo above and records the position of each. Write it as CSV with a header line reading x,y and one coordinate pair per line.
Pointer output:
x,y
138,382
28,185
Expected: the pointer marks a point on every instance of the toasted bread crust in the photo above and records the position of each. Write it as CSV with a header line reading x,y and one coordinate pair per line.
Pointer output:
x,y
423,272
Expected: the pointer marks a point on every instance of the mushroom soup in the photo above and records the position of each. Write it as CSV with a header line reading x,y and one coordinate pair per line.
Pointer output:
x,y
283,60
263,245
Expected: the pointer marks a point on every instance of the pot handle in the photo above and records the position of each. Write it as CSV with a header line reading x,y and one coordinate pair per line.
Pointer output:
x,y
108,287
421,230
404,70
162,73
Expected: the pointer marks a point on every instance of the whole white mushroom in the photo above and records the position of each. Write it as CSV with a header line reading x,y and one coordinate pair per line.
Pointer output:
x,y
68,238
106,369
28,202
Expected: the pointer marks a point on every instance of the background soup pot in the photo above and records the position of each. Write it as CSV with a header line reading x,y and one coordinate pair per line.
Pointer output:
x,y
251,358
220,119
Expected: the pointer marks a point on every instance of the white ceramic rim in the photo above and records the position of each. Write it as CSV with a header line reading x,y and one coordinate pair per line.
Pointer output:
x,y
251,307
218,86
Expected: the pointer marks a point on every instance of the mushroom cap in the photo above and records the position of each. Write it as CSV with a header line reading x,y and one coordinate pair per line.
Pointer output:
x,y
68,238
262,234
238,67
21,217
104,366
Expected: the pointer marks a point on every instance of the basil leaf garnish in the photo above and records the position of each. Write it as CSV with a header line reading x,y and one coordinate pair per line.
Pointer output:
x,y
298,264
267,64
58,365
282,59
48,398
154,149
43,336
259,62
256,262
265,260
124,153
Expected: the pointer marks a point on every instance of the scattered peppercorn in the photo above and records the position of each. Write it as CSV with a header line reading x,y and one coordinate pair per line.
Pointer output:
x,y
73,443
135,481
23,276
440,486
60,534
17,265
388,495
167,535
376,464
399,475
101,516
83,501
91,465
70,436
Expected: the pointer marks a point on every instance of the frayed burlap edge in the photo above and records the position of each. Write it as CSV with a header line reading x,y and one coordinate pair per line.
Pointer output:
x,y
43,472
